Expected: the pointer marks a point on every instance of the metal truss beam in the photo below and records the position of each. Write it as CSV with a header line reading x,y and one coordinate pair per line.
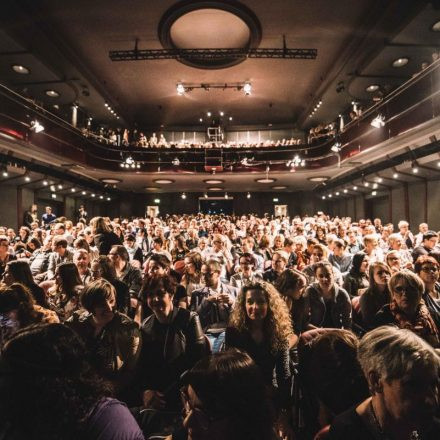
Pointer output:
x,y
211,54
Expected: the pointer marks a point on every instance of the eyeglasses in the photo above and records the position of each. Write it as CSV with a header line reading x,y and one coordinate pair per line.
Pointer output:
x,y
430,269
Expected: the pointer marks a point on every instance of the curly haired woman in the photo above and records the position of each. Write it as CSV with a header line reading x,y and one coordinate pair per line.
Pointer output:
x,y
260,325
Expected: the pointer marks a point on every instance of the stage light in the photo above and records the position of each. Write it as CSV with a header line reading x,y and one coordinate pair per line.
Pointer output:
x,y
414,168
54,196
355,188
395,175
83,193
345,191
36,126
27,178
208,114
183,196
156,200
109,199
45,182
222,113
378,121
180,89
336,148
248,195
230,118
247,88
176,162
374,193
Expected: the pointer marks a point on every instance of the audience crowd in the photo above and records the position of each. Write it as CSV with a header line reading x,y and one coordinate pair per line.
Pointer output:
x,y
219,327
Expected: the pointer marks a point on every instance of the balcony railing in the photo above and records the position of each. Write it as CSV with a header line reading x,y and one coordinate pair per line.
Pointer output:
x,y
415,102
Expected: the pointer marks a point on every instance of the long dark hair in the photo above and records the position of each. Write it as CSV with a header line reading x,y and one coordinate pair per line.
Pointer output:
x,y
230,385
107,268
69,275
51,388
358,258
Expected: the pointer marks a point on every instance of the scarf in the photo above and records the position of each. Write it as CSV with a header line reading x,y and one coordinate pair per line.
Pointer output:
x,y
422,324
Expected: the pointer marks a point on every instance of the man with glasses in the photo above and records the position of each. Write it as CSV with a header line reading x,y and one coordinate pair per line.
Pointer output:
x,y
213,303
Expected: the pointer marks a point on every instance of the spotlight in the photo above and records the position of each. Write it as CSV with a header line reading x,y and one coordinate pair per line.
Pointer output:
x,y
380,180
345,191
230,118
248,195
176,162
205,195
374,193
222,113
5,173
375,186
183,196
93,195
201,120
323,197
438,164
36,126
275,199
156,200
226,196
366,184
27,178
330,196
336,148
337,193
415,169
247,88
101,197
180,89
355,188
54,196
395,175
109,199
83,193
45,182
60,186
208,114
378,121
73,190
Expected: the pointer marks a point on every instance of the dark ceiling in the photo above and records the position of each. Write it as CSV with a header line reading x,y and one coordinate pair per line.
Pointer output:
x,y
66,45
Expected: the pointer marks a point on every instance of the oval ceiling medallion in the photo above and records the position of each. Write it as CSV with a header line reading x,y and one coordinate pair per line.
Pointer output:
x,y
210,25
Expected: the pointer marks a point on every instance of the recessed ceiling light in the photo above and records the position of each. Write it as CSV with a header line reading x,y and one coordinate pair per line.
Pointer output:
x,y
395,175
265,180
279,187
374,193
152,188
319,179
436,26
400,62
372,88
20,69
110,180
215,188
164,181
52,93
214,181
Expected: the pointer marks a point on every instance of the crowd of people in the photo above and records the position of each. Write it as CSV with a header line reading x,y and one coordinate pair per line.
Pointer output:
x,y
219,327
125,138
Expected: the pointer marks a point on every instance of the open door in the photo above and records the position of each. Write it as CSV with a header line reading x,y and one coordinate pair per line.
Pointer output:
x,y
280,210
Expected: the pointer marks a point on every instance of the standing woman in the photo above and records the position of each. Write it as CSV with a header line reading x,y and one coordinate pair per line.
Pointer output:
x,y
180,249
104,237
357,278
427,268
64,295
376,295
260,325
292,285
329,304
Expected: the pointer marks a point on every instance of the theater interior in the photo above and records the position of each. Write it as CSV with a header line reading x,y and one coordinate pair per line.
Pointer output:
x,y
236,89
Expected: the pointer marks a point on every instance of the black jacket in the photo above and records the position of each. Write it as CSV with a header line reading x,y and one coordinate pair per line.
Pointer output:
x,y
168,350
105,241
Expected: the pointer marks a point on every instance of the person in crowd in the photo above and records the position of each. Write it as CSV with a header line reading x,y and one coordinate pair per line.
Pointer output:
x,y
82,214
60,254
428,246
279,262
395,242
372,249
24,234
427,268
5,255
402,371
331,375
180,249
406,234
64,294
51,382
376,295
159,265
247,247
220,253
173,342
103,268
192,277
213,412
357,277
291,284
20,272
32,245
407,308
260,325
339,258
104,238
329,304
81,258
125,272
48,218
113,339
39,260
158,248
423,229
134,251
18,309
393,261
213,303
245,274
354,244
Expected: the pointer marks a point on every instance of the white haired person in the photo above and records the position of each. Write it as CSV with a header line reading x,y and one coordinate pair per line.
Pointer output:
x,y
403,373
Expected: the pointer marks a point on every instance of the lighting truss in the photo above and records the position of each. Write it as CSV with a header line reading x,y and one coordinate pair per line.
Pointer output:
x,y
211,54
